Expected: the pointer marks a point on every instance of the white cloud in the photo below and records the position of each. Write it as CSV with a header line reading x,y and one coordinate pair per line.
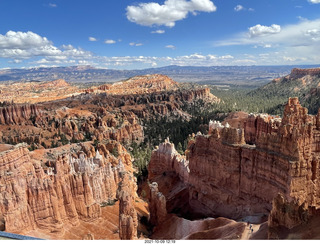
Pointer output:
x,y
109,41
261,30
238,8
158,32
22,40
314,1
298,43
149,14
52,5
26,45
92,39
135,44
170,46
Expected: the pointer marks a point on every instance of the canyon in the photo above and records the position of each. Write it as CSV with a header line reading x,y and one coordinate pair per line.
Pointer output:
x,y
64,170
67,169
236,172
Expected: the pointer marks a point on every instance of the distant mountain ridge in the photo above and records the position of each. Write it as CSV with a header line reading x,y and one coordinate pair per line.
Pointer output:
x,y
301,83
245,75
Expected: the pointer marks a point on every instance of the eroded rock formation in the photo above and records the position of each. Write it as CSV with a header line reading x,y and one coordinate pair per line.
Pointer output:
x,y
157,205
18,114
237,172
128,219
47,194
137,85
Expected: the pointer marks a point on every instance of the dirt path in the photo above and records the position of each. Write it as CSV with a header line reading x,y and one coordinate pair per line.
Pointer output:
x,y
247,232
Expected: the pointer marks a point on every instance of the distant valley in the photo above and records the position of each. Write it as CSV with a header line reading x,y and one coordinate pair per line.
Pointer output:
x,y
230,75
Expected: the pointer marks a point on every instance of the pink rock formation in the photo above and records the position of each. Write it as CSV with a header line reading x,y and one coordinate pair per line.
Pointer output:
x,y
299,73
157,205
231,178
18,114
44,196
286,214
166,159
128,219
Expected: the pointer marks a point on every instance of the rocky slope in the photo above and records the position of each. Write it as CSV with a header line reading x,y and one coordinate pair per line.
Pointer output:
x,y
237,172
301,83
32,92
97,116
137,85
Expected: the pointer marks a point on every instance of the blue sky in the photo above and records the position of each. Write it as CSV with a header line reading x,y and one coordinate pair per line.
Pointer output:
x,y
124,34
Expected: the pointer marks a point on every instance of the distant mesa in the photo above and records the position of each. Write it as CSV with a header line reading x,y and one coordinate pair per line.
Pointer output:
x,y
137,85
297,73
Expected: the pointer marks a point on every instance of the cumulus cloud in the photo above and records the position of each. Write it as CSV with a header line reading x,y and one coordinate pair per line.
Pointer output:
x,y
238,8
314,1
27,45
158,32
108,41
22,40
149,14
92,39
261,30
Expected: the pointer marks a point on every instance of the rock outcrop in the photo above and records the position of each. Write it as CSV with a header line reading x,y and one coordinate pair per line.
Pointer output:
x,y
18,114
71,187
237,172
137,85
297,73
157,205
166,159
286,214
128,219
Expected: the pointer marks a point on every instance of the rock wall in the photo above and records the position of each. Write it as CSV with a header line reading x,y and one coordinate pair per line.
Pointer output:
x,y
18,114
157,205
287,214
237,172
48,195
128,219
297,73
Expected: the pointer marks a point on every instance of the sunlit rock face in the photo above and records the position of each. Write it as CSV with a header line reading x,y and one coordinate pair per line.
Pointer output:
x,y
235,172
63,190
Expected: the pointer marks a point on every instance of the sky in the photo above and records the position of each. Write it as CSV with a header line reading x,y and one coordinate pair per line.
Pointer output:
x,y
125,34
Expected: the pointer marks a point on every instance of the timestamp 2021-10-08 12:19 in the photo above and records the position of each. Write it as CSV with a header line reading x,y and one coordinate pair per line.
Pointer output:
x,y
159,241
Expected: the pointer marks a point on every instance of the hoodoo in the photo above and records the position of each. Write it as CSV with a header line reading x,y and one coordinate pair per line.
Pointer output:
x,y
237,172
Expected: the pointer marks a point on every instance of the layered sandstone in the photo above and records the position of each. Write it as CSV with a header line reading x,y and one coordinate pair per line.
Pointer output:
x,y
96,116
286,214
297,73
60,190
305,76
157,205
236,172
128,219
18,114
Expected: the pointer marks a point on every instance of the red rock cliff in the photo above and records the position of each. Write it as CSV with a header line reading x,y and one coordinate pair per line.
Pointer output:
x,y
18,114
46,195
229,177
